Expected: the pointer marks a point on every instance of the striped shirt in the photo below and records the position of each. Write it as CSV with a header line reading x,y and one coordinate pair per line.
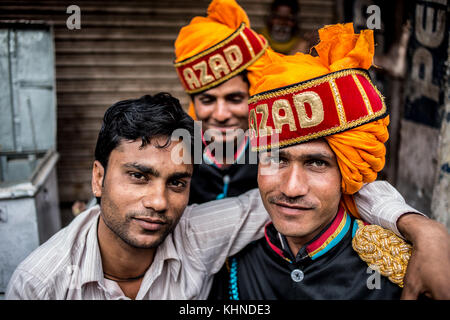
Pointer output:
x,y
69,265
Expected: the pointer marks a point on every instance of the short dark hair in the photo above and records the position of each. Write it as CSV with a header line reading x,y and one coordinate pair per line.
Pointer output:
x,y
293,4
144,118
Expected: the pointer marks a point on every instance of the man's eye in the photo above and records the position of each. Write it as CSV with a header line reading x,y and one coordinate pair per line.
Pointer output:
x,y
318,163
207,101
178,183
236,100
137,176
268,160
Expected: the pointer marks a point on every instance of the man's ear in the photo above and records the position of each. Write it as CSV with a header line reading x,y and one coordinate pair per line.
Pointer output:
x,y
98,174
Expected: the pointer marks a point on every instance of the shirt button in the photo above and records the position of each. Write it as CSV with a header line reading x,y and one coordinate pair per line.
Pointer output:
x,y
297,275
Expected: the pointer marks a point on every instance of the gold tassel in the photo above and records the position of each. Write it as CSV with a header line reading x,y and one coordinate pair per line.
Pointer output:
x,y
384,250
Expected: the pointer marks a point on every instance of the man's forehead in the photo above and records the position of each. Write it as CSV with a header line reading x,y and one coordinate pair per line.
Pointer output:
x,y
160,142
318,146
157,153
235,85
284,9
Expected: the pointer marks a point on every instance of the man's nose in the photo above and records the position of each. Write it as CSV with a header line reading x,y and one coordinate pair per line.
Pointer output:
x,y
221,111
295,182
155,197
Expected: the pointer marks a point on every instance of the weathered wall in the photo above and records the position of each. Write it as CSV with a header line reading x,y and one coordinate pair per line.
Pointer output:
x,y
440,205
417,164
423,176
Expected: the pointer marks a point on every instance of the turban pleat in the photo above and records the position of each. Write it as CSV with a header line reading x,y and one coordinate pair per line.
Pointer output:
x,y
360,154
224,17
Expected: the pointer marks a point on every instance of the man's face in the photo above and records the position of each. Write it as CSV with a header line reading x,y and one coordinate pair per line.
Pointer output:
x,y
282,23
301,191
144,193
224,108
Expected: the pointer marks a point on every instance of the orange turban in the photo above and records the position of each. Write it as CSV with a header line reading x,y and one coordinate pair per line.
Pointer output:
x,y
213,49
350,112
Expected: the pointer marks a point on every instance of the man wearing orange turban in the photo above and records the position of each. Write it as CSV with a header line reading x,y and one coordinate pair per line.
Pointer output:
x,y
354,117
215,57
319,125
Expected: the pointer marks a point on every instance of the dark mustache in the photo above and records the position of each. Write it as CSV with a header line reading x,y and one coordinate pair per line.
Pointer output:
x,y
149,214
299,201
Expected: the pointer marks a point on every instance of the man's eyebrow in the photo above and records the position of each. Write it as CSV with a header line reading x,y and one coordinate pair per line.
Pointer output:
x,y
180,175
236,93
206,95
144,169
318,155
314,155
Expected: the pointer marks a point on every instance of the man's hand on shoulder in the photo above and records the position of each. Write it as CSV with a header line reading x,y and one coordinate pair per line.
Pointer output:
x,y
428,270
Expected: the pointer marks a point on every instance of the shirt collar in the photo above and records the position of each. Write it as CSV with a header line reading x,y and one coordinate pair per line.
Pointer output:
x,y
167,252
91,263
209,158
328,238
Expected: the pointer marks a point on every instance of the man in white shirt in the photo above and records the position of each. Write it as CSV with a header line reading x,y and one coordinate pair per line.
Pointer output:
x,y
142,242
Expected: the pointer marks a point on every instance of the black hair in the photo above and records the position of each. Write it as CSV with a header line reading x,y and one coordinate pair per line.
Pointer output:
x,y
293,4
243,74
144,118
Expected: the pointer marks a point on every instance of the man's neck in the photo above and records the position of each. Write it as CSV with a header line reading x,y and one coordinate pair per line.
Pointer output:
x,y
119,259
296,243
229,152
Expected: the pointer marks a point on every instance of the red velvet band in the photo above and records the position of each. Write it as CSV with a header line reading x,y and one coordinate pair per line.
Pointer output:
x,y
312,109
222,61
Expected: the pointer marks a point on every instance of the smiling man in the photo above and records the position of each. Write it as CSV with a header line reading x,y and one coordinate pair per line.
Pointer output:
x,y
224,108
302,194
140,242
215,57
142,203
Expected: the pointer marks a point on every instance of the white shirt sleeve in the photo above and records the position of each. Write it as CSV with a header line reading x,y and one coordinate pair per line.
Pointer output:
x,y
25,286
215,230
380,203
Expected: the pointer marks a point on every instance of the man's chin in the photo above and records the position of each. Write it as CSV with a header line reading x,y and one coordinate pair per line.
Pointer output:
x,y
145,241
292,228
224,135
225,138
290,231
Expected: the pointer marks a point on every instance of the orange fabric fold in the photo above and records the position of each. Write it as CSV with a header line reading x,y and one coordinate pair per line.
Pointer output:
x,y
339,48
360,154
191,111
224,17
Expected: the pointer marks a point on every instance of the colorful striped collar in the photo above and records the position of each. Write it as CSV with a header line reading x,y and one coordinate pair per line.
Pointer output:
x,y
322,243
209,158
331,236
